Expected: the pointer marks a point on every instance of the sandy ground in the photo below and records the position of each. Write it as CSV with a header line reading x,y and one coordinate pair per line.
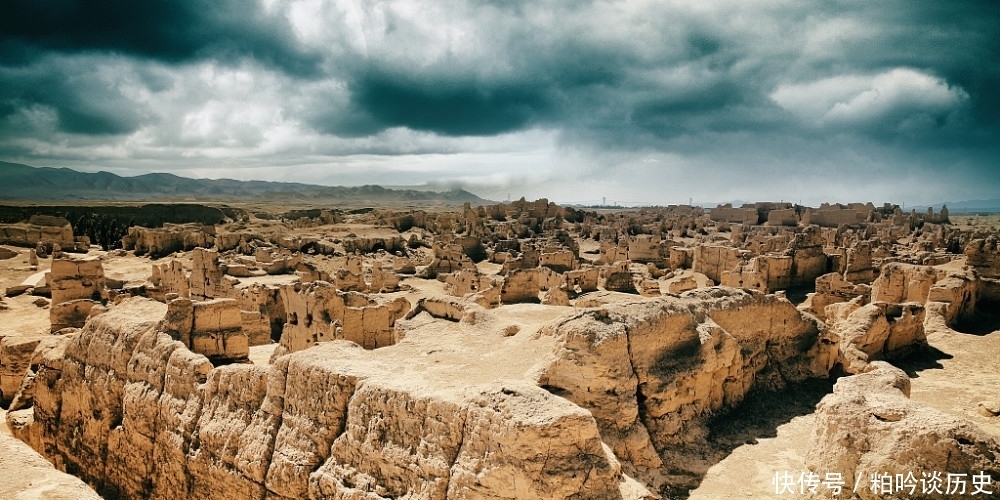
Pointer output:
x,y
749,470
29,315
960,371
15,270
26,475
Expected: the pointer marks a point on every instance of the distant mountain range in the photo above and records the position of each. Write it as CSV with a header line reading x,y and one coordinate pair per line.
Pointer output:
x,y
26,183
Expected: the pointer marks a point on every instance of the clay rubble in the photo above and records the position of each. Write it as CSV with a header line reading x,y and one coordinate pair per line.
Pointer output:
x,y
520,350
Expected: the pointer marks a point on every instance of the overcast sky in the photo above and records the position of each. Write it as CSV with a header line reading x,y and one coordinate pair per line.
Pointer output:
x,y
632,101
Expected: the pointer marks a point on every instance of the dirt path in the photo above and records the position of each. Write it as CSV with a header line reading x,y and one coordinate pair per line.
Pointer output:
x,y
28,476
959,372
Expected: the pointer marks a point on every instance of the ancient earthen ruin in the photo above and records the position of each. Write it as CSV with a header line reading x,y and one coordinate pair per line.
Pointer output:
x,y
518,350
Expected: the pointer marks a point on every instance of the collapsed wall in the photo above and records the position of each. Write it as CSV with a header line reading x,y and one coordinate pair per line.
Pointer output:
x,y
319,312
77,286
38,229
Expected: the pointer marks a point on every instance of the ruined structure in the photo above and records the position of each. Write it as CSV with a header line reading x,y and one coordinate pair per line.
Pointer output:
x,y
76,286
519,350
39,230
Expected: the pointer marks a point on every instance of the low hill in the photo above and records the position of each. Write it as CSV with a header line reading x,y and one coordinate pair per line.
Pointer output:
x,y
24,182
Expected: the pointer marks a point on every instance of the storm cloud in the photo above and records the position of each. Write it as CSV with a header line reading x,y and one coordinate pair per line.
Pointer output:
x,y
642,101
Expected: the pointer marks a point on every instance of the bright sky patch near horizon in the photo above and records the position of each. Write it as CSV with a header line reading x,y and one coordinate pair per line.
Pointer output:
x,y
651,102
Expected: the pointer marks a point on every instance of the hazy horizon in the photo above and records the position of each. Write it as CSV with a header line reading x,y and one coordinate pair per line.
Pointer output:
x,y
631,102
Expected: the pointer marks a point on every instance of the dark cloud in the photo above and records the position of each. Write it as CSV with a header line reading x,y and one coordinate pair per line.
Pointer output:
x,y
83,103
446,106
886,88
165,30
957,41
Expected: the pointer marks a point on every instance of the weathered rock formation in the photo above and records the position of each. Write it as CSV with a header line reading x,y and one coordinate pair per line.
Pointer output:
x,y
654,373
38,229
869,428
76,286
213,328
18,354
879,330
137,415
319,312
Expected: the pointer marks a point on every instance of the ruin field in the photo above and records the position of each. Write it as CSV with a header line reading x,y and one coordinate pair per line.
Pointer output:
x,y
515,350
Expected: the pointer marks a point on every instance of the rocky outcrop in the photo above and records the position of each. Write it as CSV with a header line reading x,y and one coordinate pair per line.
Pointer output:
x,y
38,229
213,328
869,428
137,415
319,312
655,372
76,286
879,331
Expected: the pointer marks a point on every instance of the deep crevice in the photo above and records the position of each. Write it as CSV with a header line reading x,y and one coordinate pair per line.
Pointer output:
x,y
452,460
277,428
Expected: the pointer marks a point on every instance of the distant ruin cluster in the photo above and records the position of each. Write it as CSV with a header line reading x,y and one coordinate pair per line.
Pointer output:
x,y
518,350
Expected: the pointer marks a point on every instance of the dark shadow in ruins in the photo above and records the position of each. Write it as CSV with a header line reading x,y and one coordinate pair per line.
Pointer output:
x,y
984,321
758,416
922,359
797,294
762,411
